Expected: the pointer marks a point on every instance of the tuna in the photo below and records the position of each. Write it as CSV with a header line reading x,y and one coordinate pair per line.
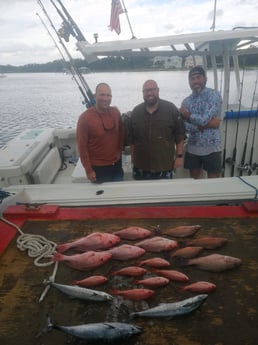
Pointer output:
x,y
103,332
171,310
212,262
182,231
157,244
94,241
81,292
133,233
85,261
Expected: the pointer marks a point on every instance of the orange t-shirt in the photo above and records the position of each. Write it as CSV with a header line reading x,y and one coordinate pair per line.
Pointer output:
x,y
100,137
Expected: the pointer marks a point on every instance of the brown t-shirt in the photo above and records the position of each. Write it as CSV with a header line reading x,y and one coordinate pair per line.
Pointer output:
x,y
99,137
155,135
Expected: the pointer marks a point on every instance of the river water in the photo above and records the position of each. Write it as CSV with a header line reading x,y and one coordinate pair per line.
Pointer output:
x,y
53,99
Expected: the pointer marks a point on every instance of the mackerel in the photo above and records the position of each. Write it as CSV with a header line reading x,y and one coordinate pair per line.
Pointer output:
x,y
81,292
170,310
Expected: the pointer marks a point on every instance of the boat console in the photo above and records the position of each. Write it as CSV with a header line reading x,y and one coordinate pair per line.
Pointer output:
x,y
32,157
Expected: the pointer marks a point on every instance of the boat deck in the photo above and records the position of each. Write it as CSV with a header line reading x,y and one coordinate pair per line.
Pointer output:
x,y
228,316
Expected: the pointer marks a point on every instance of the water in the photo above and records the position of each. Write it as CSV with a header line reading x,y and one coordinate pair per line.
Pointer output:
x,y
54,100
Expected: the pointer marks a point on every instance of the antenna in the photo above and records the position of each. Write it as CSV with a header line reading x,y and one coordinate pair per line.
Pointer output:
x,y
214,16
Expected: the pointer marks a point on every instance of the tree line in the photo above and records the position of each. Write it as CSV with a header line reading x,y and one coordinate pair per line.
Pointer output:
x,y
109,64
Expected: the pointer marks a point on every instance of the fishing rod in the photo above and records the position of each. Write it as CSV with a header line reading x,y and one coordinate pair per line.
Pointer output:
x,y
244,166
89,99
226,63
83,81
79,36
251,166
64,60
236,137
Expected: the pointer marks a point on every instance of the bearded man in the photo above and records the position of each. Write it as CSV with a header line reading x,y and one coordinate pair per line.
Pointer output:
x,y
156,136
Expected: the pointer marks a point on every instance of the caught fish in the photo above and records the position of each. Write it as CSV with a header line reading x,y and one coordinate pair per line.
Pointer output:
x,y
152,281
94,241
131,271
85,261
103,332
157,244
91,281
133,233
172,275
80,292
186,252
207,242
212,262
182,231
154,262
126,252
199,287
170,310
134,294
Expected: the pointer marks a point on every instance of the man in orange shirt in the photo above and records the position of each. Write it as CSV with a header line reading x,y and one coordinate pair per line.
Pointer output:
x,y
100,138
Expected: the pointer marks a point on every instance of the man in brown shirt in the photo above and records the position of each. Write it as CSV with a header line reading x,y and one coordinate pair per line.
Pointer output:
x,y
100,138
156,135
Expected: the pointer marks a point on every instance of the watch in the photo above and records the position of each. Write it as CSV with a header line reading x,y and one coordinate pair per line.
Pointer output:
x,y
179,156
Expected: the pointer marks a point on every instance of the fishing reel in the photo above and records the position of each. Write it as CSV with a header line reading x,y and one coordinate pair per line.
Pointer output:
x,y
245,167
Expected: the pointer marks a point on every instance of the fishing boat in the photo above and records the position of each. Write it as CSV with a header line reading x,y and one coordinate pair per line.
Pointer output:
x,y
44,192
42,165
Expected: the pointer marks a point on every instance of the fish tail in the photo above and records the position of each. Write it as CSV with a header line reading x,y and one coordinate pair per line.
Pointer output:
x,y
114,292
154,270
181,288
57,257
61,248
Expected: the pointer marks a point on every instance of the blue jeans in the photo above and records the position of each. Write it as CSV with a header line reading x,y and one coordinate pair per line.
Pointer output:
x,y
109,173
139,174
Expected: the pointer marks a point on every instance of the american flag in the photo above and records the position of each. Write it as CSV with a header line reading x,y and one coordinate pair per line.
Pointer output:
x,y
116,10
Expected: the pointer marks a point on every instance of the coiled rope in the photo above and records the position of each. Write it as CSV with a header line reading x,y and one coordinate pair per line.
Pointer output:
x,y
38,247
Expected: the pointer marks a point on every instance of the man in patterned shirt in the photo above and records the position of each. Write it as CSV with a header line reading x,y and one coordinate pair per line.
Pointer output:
x,y
201,112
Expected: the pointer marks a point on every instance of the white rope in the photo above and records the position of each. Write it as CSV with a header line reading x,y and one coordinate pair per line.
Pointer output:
x,y
38,247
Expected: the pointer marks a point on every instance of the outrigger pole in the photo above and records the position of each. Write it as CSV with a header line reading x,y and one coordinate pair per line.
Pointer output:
x,y
88,95
126,13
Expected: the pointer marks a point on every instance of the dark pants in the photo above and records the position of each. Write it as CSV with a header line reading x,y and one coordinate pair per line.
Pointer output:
x,y
109,173
139,174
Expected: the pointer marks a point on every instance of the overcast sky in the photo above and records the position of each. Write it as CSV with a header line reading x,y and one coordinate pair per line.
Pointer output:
x,y
24,40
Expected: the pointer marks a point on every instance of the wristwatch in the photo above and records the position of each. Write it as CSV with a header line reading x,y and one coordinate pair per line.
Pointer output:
x,y
179,156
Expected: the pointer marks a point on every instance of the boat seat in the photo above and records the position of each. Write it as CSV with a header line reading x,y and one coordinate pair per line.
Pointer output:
x,y
47,170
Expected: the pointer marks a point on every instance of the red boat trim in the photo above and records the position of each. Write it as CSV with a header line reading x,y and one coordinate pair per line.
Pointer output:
x,y
21,213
